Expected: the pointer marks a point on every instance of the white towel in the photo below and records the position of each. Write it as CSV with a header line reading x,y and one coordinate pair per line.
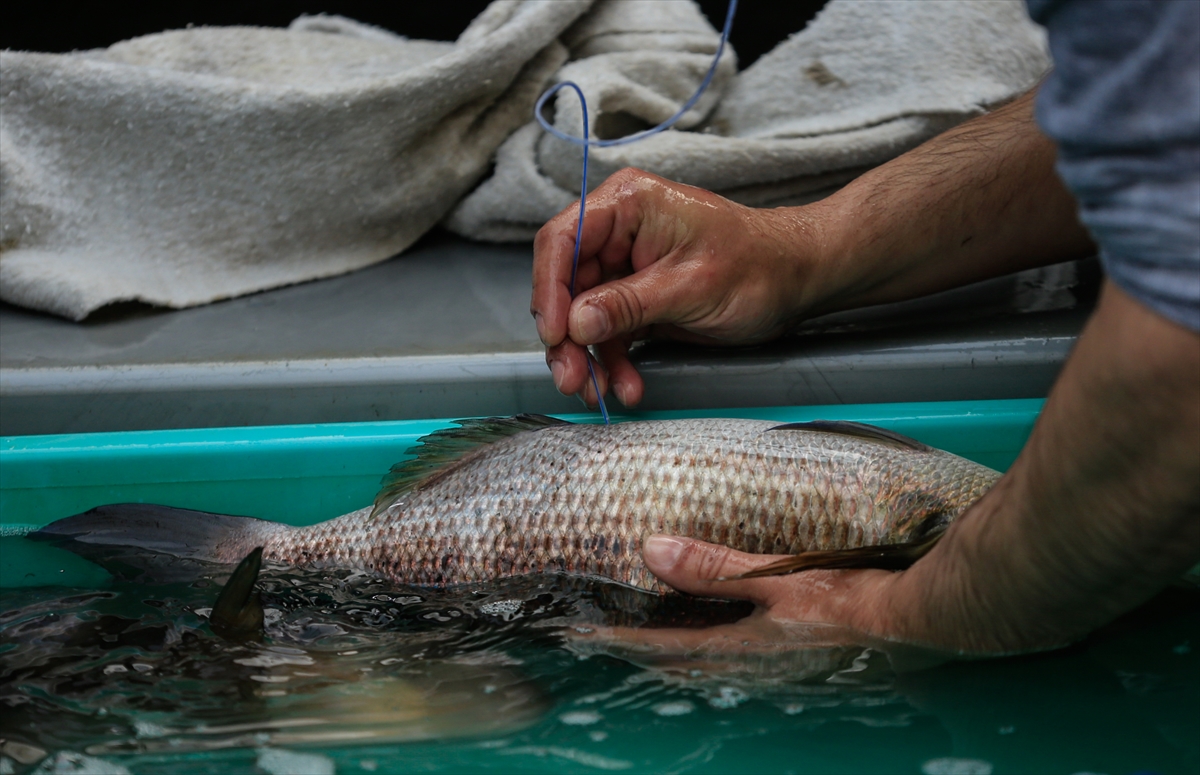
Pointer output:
x,y
199,164
864,82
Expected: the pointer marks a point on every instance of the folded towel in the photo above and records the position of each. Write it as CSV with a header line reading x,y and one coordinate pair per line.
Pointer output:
x,y
864,82
199,164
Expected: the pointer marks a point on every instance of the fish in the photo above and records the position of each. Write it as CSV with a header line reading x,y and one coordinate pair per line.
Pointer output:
x,y
500,497
237,614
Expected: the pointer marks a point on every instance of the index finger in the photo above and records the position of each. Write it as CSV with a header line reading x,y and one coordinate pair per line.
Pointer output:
x,y
553,263
739,637
611,221
756,644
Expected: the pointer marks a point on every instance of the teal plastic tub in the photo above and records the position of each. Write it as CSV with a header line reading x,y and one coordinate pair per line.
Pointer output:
x,y
1123,701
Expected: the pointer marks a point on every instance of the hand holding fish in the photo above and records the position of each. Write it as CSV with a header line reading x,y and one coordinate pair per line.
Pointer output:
x,y
1094,518
845,601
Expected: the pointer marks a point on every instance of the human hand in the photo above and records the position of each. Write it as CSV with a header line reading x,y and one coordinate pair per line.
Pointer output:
x,y
818,612
662,259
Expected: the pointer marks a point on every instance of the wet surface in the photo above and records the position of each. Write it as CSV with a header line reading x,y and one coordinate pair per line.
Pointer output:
x,y
355,675
445,330
399,308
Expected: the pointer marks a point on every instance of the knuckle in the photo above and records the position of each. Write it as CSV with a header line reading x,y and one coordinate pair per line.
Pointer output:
x,y
624,175
631,181
551,230
627,307
711,562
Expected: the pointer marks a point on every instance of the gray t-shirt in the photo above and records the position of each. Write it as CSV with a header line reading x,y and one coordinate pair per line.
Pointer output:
x,y
1123,105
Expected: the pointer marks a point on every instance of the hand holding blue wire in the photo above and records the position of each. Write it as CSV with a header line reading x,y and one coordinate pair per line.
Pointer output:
x,y
662,260
586,142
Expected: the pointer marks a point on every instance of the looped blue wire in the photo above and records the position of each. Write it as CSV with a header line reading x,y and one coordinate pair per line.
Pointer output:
x,y
586,142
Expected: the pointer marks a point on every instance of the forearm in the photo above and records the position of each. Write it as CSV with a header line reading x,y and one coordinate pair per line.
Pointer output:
x,y
977,201
1101,509
662,259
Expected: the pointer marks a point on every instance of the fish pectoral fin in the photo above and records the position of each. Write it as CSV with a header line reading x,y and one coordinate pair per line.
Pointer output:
x,y
884,556
858,430
442,451
238,614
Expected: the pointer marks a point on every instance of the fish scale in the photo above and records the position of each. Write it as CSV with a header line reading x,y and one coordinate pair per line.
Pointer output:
x,y
582,498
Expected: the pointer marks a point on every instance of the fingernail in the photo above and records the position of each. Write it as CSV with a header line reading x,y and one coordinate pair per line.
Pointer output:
x,y
556,370
537,319
622,393
593,324
662,552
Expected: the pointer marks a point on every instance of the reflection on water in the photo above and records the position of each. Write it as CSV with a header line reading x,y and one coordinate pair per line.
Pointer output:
x,y
118,672
355,675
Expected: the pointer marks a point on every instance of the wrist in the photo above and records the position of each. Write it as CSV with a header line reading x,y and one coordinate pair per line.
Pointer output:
x,y
839,253
808,241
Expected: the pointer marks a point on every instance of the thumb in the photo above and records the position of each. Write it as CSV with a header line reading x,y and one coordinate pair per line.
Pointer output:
x,y
694,567
623,307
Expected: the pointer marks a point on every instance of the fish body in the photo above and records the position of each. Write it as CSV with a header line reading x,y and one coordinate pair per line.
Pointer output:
x,y
530,495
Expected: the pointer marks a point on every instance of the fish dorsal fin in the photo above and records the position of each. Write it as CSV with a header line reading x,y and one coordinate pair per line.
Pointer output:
x,y
238,613
858,430
442,451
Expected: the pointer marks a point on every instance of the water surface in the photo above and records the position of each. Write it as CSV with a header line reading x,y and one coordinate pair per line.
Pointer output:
x,y
356,676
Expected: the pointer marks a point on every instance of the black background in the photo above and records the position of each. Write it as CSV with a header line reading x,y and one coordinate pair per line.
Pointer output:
x,y
58,27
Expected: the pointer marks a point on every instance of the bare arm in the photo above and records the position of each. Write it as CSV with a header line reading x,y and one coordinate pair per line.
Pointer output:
x,y
1101,510
659,258
977,201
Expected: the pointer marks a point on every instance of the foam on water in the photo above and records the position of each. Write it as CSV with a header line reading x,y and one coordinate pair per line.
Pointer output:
x,y
677,708
71,763
948,765
580,718
280,762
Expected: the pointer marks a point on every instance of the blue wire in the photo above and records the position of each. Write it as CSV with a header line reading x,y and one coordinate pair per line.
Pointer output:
x,y
587,143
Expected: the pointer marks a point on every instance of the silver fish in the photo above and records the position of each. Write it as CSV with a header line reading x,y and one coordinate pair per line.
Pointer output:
x,y
503,497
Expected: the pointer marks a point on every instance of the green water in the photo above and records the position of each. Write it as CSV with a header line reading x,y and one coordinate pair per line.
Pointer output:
x,y
355,677
361,677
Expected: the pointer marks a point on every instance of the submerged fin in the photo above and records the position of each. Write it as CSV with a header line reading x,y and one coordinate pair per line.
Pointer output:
x,y
858,430
238,613
885,556
439,453
134,540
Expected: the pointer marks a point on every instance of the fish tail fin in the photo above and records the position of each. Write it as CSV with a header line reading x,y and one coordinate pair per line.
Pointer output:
x,y
166,542
886,557
238,613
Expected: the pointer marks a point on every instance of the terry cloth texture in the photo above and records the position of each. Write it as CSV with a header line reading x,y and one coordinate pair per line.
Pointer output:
x,y
199,164
864,82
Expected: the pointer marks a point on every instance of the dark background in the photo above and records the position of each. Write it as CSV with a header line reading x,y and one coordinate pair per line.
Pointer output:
x,y
58,27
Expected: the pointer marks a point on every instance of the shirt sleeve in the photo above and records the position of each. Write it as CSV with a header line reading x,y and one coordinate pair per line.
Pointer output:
x,y
1123,105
